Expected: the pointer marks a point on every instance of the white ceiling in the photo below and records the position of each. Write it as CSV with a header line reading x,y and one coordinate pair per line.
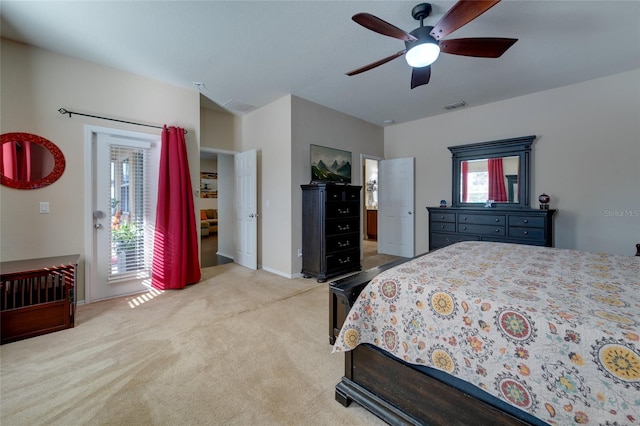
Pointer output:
x,y
255,52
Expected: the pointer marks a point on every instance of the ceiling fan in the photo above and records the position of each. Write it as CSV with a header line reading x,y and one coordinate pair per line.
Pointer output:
x,y
424,44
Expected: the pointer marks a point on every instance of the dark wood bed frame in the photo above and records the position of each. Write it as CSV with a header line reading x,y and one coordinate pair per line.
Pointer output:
x,y
392,390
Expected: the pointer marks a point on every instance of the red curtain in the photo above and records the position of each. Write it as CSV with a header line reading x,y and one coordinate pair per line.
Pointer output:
x,y
497,190
465,179
16,160
175,248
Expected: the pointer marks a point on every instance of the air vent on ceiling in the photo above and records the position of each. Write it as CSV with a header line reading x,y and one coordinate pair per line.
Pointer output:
x,y
456,105
237,106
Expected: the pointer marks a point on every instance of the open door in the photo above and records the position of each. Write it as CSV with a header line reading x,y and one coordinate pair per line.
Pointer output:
x,y
396,222
246,175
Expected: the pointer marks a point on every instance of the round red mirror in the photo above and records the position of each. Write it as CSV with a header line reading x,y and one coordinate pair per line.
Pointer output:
x,y
29,161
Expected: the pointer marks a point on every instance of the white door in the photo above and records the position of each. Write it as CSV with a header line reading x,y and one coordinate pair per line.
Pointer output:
x,y
396,207
246,175
123,198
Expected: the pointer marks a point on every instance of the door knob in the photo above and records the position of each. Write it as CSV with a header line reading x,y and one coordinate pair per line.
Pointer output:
x,y
410,212
97,226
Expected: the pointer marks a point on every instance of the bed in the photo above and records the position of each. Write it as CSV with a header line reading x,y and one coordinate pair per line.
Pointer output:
x,y
495,333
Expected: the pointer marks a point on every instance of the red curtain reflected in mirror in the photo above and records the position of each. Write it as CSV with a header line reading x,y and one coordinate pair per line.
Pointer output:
x,y
497,189
29,161
465,180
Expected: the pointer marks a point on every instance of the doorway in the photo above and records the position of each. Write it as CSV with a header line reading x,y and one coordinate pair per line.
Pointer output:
x,y
121,167
235,239
213,203
370,256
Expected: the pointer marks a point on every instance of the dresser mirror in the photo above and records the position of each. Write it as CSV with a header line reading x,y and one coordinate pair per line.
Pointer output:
x,y
29,161
495,172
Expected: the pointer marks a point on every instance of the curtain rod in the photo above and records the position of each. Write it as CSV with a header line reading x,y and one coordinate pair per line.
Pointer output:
x,y
66,111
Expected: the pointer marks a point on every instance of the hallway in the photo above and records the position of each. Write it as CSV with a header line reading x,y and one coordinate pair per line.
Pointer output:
x,y
209,252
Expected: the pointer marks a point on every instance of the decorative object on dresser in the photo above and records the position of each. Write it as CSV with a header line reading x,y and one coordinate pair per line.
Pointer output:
x,y
520,226
330,230
544,201
37,296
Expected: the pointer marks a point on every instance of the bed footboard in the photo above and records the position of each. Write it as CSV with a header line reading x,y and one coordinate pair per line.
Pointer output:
x,y
400,395
343,292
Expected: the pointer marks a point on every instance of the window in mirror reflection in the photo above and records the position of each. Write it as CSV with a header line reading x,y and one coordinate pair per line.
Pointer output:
x,y
489,179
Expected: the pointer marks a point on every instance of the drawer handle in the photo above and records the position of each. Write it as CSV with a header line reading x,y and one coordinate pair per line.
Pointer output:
x,y
343,228
464,228
345,244
464,218
526,232
498,230
497,220
441,217
345,211
343,261
525,221
441,226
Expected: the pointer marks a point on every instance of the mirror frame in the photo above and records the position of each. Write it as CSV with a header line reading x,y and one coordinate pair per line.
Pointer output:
x,y
520,147
58,160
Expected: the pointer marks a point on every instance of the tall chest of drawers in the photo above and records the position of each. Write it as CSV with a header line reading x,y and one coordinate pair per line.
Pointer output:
x,y
450,225
330,230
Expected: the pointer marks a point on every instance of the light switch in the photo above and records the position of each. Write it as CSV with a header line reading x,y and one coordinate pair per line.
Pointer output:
x,y
44,207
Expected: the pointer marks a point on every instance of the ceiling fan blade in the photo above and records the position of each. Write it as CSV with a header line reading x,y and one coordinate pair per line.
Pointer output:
x,y
481,47
377,63
461,14
420,76
376,24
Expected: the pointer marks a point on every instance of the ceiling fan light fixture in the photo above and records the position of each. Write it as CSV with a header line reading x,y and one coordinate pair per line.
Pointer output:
x,y
422,54
424,51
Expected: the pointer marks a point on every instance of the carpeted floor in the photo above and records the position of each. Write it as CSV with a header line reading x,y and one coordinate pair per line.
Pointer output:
x,y
241,348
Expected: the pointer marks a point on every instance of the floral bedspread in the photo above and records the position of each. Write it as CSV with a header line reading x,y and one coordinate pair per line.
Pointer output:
x,y
553,332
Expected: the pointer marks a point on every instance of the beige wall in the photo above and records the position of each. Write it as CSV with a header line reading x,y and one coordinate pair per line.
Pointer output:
x,y
586,157
318,125
218,129
35,84
282,132
268,130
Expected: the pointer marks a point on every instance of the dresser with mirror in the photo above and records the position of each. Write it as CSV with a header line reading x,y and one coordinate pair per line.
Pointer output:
x,y
491,197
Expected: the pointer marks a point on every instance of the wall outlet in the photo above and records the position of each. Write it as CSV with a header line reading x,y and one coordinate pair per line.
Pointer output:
x,y
299,252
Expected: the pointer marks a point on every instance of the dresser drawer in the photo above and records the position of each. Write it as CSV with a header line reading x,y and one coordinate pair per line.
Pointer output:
x,y
536,222
443,217
342,242
342,209
443,227
343,260
526,233
482,229
442,240
343,193
342,226
482,219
